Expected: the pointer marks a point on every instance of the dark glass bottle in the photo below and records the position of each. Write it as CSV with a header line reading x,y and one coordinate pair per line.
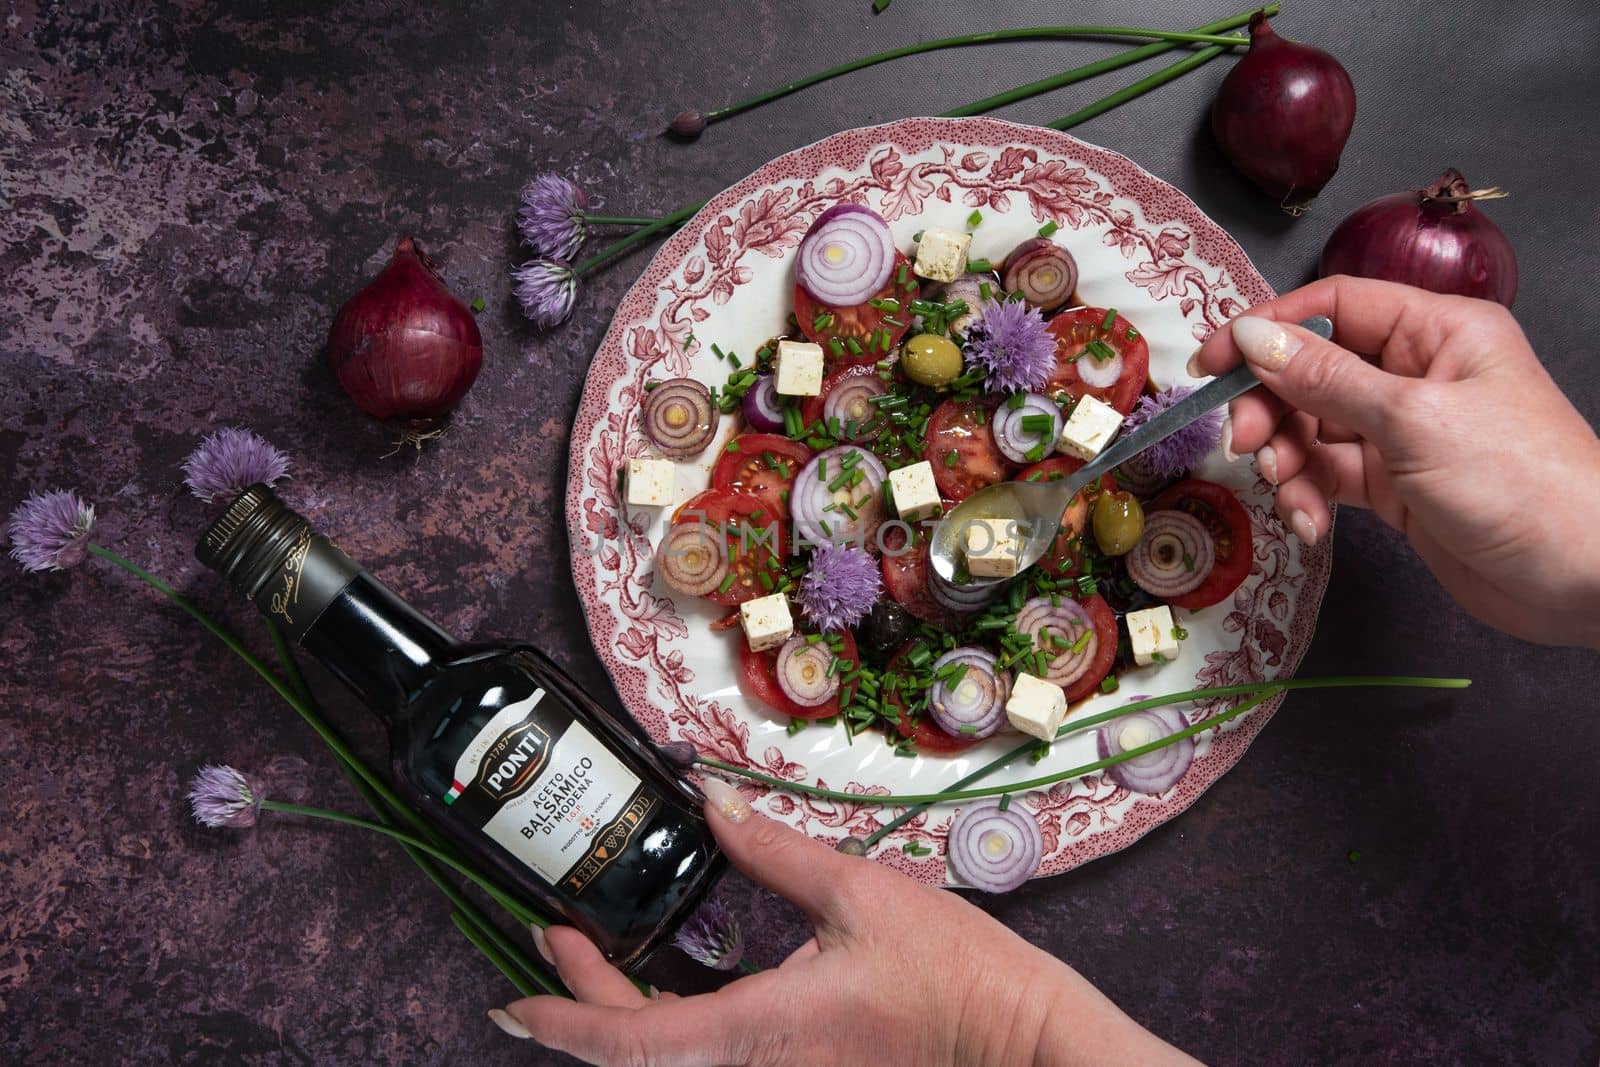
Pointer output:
x,y
493,744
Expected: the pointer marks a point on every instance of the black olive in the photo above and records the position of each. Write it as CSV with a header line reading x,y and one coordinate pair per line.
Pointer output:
x,y
886,627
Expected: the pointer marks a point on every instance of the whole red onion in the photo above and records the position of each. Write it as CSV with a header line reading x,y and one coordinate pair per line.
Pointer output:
x,y
1435,238
405,348
1283,114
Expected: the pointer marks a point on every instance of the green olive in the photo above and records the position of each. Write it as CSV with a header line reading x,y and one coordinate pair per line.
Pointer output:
x,y
931,360
1118,523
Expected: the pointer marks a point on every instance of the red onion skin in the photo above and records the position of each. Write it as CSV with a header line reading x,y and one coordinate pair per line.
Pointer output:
x,y
405,348
1283,115
1433,238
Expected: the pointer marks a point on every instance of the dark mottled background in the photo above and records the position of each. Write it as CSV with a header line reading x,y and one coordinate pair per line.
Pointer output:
x,y
190,189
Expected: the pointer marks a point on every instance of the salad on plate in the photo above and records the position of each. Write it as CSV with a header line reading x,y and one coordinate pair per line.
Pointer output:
x,y
907,381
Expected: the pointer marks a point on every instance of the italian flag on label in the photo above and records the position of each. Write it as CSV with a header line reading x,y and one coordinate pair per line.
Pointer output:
x,y
453,792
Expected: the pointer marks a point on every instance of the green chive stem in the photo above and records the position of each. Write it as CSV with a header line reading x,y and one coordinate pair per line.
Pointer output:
x,y
1139,88
1202,36
621,220
1211,692
491,952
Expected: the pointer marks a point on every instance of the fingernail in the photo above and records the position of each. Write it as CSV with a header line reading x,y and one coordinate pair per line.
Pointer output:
x,y
505,1022
1193,368
1227,441
725,799
1263,342
1303,527
542,943
655,994
1267,460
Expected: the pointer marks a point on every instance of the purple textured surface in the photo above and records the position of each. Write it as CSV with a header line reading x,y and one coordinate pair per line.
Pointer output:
x,y
191,190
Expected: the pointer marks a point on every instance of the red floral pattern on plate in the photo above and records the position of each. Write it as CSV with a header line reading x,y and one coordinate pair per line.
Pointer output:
x,y
1136,239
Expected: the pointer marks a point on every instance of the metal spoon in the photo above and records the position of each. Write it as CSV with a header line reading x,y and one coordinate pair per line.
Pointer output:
x,y
1036,507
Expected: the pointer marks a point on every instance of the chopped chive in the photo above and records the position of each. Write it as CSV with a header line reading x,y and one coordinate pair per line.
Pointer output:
x,y
1179,633
727,584
1005,798
1082,642
1037,424
835,346
1188,562
1015,401
848,510
795,726
970,730
951,459
734,359
1132,334
1099,350
984,290
1107,322
1048,228
755,516
900,276
979,266
732,446
917,237
853,345
975,219
719,353
822,320
766,581
1034,454
650,386
1109,684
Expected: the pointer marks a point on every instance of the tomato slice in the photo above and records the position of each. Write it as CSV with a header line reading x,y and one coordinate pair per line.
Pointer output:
x,y
964,431
765,465
923,733
1074,330
760,549
1104,621
905,577
760,673
1217,507
1065,558
861,324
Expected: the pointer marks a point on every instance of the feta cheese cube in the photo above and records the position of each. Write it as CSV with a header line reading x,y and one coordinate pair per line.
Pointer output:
x,y
652,482
992,547
942,254
799,368
915,494
1037,707
1090,427
767,622
1151,633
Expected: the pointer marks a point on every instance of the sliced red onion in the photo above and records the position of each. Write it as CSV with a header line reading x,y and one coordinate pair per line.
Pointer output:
x,y
846,256
850,401
1173,556
1098,373
994,850
1042,271
975,706
1059,630
761,410
823,515
693,558
679,418
1019,445
803,673
961,599
1139,478
968,288
1153,772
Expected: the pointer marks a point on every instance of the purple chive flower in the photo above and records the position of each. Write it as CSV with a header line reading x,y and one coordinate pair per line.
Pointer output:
x,y
230,461
547,290
1184,449
553,216
223,797
50,531
840,587
1012,346
712,937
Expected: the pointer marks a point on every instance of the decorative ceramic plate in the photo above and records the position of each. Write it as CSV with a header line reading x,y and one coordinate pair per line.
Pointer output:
x,y
727,277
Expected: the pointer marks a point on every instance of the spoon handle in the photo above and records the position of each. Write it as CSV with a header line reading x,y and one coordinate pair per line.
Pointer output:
x,y
1213,394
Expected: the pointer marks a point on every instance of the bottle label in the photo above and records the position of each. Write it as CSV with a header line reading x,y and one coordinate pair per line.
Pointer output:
x,y
561,803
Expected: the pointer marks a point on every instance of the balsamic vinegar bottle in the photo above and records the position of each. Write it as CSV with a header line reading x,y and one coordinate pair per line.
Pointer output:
x,y
493,744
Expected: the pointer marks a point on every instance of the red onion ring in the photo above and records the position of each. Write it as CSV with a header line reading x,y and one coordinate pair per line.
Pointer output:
x,y
977,702
968,288
1139,478
1014,441
1174,554
761,410
846,257
679,418
850,401
1154,772
993,850
1042,271
1068,621
693,558
961,599
811,495
803,674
